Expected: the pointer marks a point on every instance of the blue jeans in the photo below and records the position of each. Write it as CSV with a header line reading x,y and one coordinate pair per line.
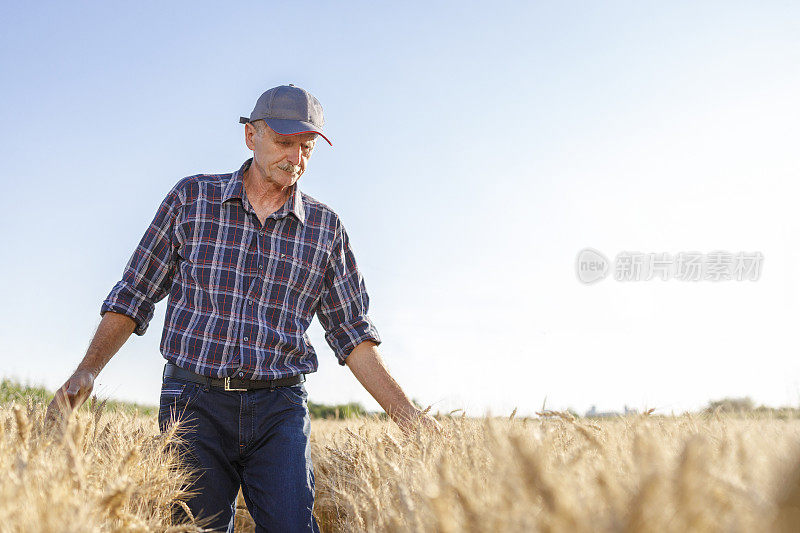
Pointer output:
x,y
255,439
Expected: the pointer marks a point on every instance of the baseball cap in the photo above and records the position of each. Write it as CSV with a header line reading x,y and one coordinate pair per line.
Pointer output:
x,y
288,110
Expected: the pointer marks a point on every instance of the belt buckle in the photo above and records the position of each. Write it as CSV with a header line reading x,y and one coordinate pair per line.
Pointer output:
x,y
228,386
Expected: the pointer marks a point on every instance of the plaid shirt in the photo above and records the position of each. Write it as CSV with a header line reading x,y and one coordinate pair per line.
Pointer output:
x,y
241,295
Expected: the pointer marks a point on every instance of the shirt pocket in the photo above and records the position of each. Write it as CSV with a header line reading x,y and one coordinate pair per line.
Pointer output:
x,y
210,265
300,277
195,260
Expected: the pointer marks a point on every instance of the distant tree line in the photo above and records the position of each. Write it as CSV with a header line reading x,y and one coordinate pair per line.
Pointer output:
x,y
345,410
11,390
746,406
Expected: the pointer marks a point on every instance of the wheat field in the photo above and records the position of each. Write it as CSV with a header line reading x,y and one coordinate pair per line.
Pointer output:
x,y
112,471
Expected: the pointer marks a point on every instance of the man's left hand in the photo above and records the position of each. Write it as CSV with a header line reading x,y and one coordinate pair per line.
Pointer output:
x,y
426,422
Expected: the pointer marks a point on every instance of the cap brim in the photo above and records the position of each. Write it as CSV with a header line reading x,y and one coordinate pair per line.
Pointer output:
x,y
293,127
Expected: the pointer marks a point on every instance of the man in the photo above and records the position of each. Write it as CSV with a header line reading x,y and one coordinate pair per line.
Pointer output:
x,y
247,260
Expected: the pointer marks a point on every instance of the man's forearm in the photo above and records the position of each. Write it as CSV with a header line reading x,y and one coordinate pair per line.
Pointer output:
x,y
366,364
111,334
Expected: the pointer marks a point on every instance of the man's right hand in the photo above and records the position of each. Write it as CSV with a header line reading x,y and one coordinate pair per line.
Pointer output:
x,y
71,395
113,331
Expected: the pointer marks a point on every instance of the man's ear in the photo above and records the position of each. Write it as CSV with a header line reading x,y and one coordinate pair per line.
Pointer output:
x,y
249,131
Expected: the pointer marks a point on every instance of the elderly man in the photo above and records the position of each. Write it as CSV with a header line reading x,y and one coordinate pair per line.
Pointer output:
x,y
247,259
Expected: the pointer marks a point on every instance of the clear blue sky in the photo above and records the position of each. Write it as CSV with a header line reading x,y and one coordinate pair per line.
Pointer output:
x,y
477,149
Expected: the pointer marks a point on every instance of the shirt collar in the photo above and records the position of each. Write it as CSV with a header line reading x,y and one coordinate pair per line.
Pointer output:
x,y
294,204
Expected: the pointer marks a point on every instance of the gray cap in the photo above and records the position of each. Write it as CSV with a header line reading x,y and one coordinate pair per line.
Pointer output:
x,y
288,110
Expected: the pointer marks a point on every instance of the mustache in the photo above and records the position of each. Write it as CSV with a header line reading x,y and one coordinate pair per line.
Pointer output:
x,y
288,167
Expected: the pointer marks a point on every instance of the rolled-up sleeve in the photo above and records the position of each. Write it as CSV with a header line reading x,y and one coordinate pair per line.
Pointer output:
x,y
148,275
344,303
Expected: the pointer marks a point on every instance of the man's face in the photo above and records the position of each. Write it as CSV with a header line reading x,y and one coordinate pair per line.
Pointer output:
x,y
282,159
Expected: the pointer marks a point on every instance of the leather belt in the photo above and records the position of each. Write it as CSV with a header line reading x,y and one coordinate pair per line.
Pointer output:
x,y
230,384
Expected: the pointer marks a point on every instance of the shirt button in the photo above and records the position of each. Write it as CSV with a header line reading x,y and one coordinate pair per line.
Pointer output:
x,y
245,338
241,374
261,267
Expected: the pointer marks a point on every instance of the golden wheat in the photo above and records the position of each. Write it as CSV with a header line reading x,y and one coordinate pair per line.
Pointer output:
x,y
112,471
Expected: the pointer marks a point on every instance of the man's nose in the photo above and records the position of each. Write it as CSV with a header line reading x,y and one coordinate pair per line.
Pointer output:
x,y
294,155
